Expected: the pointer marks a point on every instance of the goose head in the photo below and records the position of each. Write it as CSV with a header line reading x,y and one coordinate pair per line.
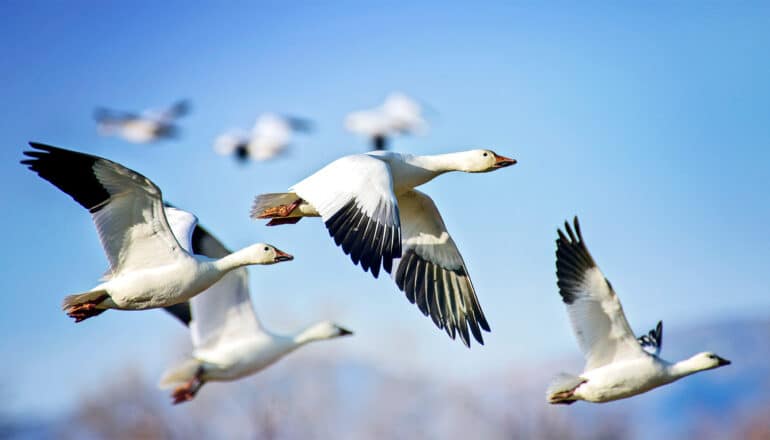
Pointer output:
x,y
321,331
706,361
262,253
329,330
484,161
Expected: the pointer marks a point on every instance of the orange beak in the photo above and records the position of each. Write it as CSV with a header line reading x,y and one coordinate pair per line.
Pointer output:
x,y
282,256
502,161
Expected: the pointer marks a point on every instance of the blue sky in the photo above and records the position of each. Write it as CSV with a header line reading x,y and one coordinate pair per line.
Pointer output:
x,y
648,120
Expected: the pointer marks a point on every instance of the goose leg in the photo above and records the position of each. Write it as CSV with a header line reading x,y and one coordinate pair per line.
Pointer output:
x,y
186,392
86,309
280,210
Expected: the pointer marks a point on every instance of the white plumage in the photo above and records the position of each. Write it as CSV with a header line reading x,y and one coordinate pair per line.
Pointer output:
x,y
148,266
372,211
271,136
399,114
149,126
229,342
618,365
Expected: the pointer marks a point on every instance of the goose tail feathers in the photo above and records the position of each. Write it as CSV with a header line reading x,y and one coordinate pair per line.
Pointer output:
x,y
562,388
180,373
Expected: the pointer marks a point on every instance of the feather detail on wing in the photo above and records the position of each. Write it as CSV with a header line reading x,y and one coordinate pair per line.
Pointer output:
x,y
652,342
432,272
354,196
594,309
126,207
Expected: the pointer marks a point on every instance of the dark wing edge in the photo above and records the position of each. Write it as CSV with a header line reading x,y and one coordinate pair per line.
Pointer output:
x,y
366,240
181,312
447,296
572,262
203,243
653,340
179,109
70,171
299,124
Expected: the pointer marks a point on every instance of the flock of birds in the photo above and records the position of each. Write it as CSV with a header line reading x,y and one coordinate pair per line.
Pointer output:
x,y
161,258
272,133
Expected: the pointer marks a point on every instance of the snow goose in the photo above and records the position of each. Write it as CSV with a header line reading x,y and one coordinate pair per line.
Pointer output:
x,y
149,126
399,114
148,268
617,364
371,209
228,340
270,137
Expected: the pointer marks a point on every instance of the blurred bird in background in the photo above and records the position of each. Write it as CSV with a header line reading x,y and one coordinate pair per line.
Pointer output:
x,y
271,135
399,114
149,126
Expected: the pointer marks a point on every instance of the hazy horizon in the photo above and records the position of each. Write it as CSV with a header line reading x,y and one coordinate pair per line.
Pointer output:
x,y
648,121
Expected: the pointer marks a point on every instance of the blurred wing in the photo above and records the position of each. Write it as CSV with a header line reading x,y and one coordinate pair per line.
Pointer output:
x,y
354,196
404,113
126,207
264,148
652,342
178,109
432,272
594,309
367,122
224,310
298,124
106,116
270,136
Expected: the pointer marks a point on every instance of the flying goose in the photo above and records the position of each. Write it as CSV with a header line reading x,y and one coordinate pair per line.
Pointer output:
x,y
149,126
371,209
617,364
270,137
228,340
399,114
148,267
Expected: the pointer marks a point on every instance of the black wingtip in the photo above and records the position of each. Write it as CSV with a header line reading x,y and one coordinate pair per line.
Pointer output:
x,y
572,260
70,171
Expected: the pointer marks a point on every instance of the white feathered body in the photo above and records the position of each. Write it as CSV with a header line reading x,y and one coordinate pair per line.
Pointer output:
x,y
619,380
160,286
237,358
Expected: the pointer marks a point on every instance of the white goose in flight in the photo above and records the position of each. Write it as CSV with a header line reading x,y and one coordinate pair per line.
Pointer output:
x,y
617,364
148,267
371,209
399,114
149,126
271,135
228,340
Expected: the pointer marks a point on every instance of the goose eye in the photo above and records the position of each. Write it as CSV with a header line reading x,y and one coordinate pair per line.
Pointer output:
x,y
485,154
267,248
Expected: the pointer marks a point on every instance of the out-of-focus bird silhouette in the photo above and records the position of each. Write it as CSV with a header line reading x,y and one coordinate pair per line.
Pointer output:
x,y
146,127
270,136
399,114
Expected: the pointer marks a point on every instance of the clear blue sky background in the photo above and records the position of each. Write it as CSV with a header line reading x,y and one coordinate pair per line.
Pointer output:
x,y
650,120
